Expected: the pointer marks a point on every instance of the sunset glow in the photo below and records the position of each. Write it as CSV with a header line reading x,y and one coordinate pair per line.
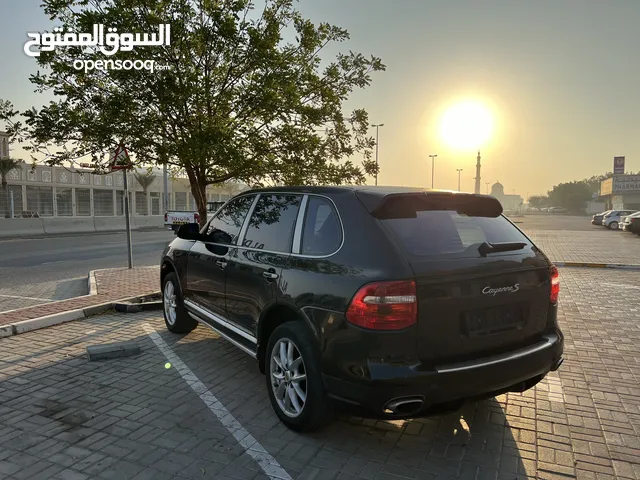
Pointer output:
x,y
466,125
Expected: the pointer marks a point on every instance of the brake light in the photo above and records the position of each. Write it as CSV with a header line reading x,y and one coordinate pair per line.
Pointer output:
x,y
196,218
166,217
384,306
555,284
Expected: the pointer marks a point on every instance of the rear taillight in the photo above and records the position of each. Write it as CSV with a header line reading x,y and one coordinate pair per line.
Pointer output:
x,y
384,306
634,220
166,217
555,284
196,218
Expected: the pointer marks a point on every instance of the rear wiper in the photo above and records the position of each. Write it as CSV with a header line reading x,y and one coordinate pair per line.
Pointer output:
x,y
487,247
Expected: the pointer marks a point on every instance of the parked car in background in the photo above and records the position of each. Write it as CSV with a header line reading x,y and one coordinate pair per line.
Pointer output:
x,y
631,223
597,218
612,219
557,210
173,219
392,302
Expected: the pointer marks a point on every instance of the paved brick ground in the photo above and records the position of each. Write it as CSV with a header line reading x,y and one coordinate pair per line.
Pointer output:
x,y
112,284
599,245
15,297
62,417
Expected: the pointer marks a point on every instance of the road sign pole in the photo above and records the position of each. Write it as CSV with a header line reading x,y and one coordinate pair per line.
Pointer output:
x,y
126,217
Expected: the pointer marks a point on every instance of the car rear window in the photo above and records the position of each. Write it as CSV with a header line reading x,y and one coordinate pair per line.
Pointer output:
x,y
450,232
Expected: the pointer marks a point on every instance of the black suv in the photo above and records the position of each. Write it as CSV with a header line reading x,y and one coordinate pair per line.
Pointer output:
x,y
395,302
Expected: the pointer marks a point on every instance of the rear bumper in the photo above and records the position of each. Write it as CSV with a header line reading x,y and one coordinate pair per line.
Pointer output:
x,y
596,221
449,384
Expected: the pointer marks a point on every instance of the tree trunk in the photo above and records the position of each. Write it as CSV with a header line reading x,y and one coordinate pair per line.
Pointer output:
x,y
198,185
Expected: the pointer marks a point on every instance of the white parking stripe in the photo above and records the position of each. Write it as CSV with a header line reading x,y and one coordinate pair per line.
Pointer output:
x,y
27,298
267,463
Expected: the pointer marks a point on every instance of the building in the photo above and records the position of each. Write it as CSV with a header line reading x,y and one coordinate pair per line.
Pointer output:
x,y
42,191
4,145
621,192
509,202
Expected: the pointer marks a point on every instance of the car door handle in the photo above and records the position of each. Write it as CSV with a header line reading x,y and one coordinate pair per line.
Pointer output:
x,y
270,275
222,264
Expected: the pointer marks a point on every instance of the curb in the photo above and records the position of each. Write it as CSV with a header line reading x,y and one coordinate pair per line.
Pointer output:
x,y
62,317
620,266
137,307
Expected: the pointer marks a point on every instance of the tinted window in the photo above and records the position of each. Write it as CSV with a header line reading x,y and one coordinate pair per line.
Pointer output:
x,y
272,223
322,233
437,232
225,226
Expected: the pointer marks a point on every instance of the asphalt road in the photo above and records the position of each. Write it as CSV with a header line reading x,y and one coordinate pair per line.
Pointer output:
x,y
34,271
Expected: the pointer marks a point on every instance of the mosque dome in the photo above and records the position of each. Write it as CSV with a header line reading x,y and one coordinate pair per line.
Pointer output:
x,y
497,190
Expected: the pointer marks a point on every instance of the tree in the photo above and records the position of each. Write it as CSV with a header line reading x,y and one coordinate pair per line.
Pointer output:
x,y
6,165
145,180
571,195
538,201
594,181
235,102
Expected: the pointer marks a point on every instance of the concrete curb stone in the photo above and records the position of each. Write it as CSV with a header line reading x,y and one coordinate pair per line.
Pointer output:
x,y
58,318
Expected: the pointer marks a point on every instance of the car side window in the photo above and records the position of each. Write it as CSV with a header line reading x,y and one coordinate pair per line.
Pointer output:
x,y
272,223
322,232
226,225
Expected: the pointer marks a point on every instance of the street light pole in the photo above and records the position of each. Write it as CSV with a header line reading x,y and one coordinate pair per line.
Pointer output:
x,y
433,157
488,183
378,125
458,170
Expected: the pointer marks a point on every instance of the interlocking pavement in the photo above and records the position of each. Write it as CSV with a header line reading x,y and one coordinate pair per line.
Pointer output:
x,y
14,297
112,284
62,417
597,246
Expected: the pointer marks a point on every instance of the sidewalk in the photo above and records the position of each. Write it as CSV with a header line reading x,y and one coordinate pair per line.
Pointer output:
x,y
110,285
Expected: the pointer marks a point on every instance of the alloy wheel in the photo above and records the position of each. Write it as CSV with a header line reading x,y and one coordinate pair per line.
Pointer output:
x,y
169,302
288,377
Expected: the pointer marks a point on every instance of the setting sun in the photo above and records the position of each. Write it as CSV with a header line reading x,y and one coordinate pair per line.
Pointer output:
x,y
466,125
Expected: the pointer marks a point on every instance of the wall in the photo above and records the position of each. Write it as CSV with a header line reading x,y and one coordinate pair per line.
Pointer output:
x,y
62,192
36,227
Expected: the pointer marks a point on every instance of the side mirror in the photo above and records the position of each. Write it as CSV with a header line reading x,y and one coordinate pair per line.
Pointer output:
x,y
188,231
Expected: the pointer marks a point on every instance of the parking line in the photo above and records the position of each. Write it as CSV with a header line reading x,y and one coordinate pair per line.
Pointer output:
x,y
27,298
267,463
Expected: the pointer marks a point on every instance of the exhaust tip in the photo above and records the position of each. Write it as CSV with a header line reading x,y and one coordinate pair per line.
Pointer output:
x,y
556,365
403,406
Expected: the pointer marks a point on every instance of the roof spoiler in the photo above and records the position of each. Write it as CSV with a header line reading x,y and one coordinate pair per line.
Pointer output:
x,y
406,205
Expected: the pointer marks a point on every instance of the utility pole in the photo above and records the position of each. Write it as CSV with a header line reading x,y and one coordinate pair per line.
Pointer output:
x,y
377,136
165,186
127,218
458,170
433,157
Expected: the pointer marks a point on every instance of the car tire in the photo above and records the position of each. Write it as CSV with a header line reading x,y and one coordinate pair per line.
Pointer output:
x,y
176,317
613,226
285,393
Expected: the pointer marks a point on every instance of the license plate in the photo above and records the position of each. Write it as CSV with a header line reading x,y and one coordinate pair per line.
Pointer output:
x,y
489,321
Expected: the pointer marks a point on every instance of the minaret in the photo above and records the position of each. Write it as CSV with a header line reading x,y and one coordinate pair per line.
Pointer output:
x,y
477,190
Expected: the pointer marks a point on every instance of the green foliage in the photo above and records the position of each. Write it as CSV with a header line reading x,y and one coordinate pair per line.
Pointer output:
x,y
538,201
6,165
571,195
144,180
238,102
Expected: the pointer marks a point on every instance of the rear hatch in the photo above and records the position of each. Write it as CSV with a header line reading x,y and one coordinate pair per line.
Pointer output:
x,y
483,288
